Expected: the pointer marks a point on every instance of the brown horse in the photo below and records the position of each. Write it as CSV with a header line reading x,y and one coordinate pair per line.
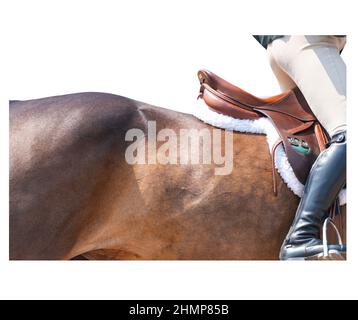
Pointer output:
x,y
72,193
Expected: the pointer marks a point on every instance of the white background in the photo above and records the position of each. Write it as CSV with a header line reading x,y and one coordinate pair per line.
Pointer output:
x,y
151,51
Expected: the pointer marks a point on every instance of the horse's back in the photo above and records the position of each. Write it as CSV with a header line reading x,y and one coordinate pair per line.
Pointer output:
x,y
70,184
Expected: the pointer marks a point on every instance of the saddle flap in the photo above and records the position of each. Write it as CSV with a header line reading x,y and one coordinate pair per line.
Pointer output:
x,y
300,142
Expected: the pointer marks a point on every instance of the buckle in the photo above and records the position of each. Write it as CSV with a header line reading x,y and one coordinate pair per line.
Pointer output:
x,y
338,138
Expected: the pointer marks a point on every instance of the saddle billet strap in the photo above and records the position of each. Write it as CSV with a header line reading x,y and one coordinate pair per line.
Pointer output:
x,y
322,137
335,209
274,180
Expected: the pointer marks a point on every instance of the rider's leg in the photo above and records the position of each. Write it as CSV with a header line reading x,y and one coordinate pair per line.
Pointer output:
x,y
315,65
327,177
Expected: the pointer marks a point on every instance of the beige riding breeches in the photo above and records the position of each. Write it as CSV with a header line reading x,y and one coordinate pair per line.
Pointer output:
x,y
314,65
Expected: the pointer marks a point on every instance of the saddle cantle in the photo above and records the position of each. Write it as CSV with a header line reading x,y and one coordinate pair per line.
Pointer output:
x,y
301,134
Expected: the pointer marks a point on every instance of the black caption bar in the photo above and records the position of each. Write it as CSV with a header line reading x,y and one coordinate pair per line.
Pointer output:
x,y
172,309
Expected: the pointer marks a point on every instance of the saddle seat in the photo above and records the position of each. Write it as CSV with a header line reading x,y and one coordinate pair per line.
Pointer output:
x,y
290,102
301,134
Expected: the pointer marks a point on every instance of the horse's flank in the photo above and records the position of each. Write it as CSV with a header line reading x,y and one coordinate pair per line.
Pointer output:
x,y
72,192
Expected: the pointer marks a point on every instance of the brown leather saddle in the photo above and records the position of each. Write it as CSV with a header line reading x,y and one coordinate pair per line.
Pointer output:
x,y
301,134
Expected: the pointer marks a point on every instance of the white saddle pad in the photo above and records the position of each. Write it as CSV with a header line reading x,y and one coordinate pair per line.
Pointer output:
x,y
259,126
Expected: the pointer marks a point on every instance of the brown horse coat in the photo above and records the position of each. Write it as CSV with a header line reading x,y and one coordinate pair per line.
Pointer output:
x,y
72,192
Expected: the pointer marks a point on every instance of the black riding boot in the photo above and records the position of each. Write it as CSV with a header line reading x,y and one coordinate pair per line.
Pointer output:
x,y
327,177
